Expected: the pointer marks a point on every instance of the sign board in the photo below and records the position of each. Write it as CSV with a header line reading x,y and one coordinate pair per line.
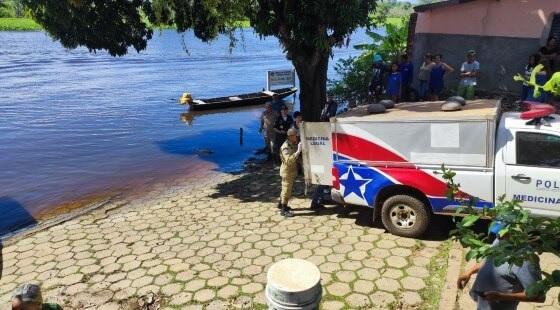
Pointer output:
x,y
316,139
280,78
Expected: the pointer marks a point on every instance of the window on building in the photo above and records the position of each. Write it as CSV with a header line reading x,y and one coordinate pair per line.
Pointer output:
x,y
537,149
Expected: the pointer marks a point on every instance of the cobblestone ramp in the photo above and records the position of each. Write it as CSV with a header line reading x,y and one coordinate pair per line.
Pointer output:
x,y
208,244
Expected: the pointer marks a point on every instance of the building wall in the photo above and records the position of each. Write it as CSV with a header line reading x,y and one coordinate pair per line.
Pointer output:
x,y
503,18
504,33
500,57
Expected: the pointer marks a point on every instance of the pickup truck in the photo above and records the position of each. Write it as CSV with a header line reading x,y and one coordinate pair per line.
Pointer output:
x,y
391,162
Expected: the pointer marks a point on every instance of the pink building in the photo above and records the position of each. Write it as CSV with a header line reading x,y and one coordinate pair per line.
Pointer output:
x,y
503,32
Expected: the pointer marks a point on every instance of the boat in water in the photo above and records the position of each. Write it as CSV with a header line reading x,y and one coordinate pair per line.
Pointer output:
x,y
235,101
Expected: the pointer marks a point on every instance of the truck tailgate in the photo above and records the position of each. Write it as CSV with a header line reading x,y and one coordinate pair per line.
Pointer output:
x,y
316,139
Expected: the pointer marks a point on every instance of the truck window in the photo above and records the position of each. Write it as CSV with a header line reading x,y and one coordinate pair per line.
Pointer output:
x,y
537,149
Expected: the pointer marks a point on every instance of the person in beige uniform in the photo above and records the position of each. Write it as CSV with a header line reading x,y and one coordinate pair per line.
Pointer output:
x,y
289,154
268,118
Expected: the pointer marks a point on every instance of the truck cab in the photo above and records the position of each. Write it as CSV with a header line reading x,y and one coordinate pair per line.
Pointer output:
x,y
391,162
527,163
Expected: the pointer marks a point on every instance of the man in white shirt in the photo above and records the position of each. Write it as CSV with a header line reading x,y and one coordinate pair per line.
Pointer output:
x,y
469,74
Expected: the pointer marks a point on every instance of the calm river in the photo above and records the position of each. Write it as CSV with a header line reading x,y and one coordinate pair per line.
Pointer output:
x,y
73,124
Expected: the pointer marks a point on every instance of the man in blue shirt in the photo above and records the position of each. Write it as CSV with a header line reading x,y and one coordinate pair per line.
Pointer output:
x,y
406,68
501,287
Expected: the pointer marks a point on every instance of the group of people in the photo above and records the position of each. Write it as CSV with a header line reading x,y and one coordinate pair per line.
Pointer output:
x,y
281,133
396,83
539,70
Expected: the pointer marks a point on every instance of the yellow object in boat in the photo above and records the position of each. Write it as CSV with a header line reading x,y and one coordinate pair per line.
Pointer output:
x,y
186,98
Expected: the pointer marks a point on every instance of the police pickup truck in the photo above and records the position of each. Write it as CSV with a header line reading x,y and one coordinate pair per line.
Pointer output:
x,y
391,162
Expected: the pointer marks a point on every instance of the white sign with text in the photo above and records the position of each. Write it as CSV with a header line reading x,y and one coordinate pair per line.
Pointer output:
x,y
280,77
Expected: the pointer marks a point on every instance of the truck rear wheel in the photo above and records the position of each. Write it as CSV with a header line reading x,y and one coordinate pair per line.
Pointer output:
x,y
405,216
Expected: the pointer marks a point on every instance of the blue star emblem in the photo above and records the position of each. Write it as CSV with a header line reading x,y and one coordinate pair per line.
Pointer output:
x,y
353,183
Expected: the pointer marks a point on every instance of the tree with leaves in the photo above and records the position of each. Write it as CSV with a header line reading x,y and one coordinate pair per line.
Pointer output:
x,y
354,73
307,29
5,9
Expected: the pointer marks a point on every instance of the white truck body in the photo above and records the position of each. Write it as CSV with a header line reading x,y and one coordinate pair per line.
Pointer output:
x,y
368,159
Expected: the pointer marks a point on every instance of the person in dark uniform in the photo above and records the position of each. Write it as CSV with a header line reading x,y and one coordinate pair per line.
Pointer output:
x,y
330,109
281,126
378,74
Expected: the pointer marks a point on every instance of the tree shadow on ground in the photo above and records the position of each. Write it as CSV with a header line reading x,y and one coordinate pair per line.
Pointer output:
x,y
13,216
261,183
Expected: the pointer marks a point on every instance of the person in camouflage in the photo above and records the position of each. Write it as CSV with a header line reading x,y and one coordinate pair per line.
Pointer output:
x,y
268,118
289,154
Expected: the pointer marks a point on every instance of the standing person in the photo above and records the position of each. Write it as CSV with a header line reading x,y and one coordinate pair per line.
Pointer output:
x,y
469,74
268,119
501,287
438,72
330,108
424,76
283,122
378,73
289,155
277,103
394,83
298,120
406,68
531,64
550,52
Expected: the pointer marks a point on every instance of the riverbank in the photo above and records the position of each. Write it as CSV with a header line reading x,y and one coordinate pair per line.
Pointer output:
x,y
18,24
208,242
28,24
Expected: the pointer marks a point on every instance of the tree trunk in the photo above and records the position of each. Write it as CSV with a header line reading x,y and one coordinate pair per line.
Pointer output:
x,y
312,74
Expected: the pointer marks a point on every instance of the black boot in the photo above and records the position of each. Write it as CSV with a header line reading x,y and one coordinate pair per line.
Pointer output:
x,y
286,211
317,206
279,206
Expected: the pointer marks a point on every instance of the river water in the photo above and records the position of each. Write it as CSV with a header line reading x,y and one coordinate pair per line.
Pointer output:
x,y
74,124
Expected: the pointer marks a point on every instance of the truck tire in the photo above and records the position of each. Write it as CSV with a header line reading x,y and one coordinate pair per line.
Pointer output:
x,y
405,216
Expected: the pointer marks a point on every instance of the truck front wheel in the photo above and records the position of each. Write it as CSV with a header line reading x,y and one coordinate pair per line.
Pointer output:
x,y
405,216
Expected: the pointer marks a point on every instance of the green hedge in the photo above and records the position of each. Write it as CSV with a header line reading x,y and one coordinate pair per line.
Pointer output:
x,y
18,24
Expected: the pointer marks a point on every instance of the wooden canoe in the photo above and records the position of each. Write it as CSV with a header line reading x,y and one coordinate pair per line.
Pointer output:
x,y
240,100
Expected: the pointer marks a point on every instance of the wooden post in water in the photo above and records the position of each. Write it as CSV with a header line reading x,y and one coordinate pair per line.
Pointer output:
x,y
241,136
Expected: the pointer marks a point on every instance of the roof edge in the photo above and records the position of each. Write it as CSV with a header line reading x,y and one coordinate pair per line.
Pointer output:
x,y
436,5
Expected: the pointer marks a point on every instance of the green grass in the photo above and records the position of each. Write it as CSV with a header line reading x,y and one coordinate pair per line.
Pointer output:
x,y
397,21
18,24
438,269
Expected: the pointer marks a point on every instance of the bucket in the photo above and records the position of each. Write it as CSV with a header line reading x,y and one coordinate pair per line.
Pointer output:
x,y
293,284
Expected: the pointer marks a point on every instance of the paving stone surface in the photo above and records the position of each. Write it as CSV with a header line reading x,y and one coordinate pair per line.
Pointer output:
x,y
208,245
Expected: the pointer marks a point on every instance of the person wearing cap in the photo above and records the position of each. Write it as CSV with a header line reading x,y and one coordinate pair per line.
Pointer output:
x,y
501,287
28,297
469,74
289,155
268,119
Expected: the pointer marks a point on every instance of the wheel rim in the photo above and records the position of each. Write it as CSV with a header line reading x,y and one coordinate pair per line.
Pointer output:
x,y
403,216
